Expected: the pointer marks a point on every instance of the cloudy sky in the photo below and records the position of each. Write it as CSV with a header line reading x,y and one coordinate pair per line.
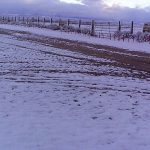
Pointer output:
x,y
114,9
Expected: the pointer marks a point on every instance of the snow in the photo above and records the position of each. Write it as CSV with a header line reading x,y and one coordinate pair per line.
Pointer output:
x,y
132,46
49,101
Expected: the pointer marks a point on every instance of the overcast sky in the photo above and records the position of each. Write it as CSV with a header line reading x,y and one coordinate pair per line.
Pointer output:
x,y
114,9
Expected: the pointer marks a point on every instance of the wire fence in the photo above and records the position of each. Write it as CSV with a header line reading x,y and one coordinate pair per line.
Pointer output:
x,y
103,29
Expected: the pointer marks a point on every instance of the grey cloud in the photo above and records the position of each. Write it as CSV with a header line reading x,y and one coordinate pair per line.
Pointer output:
x,y
92,8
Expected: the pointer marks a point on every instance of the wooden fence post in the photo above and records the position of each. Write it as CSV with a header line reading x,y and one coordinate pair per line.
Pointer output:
x,y
80,24
119,28
38,20
99,35
93,28
68,23
23,19
27,20
44,21
132,25
109,26
51,20
59,22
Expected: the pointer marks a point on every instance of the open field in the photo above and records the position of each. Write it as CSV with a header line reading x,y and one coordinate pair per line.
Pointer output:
x,y
60,94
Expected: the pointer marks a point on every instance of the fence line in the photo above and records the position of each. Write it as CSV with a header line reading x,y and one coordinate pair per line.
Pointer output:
x,y
94,26
101,29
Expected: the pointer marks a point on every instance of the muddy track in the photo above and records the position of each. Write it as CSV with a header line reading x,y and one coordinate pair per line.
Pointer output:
x,y
133,61
128,59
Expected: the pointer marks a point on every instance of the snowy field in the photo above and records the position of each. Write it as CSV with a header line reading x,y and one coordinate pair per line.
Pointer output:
x,y
55,99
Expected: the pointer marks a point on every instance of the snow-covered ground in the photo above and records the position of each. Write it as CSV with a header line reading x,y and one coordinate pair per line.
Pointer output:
x,y
49,100
132,46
